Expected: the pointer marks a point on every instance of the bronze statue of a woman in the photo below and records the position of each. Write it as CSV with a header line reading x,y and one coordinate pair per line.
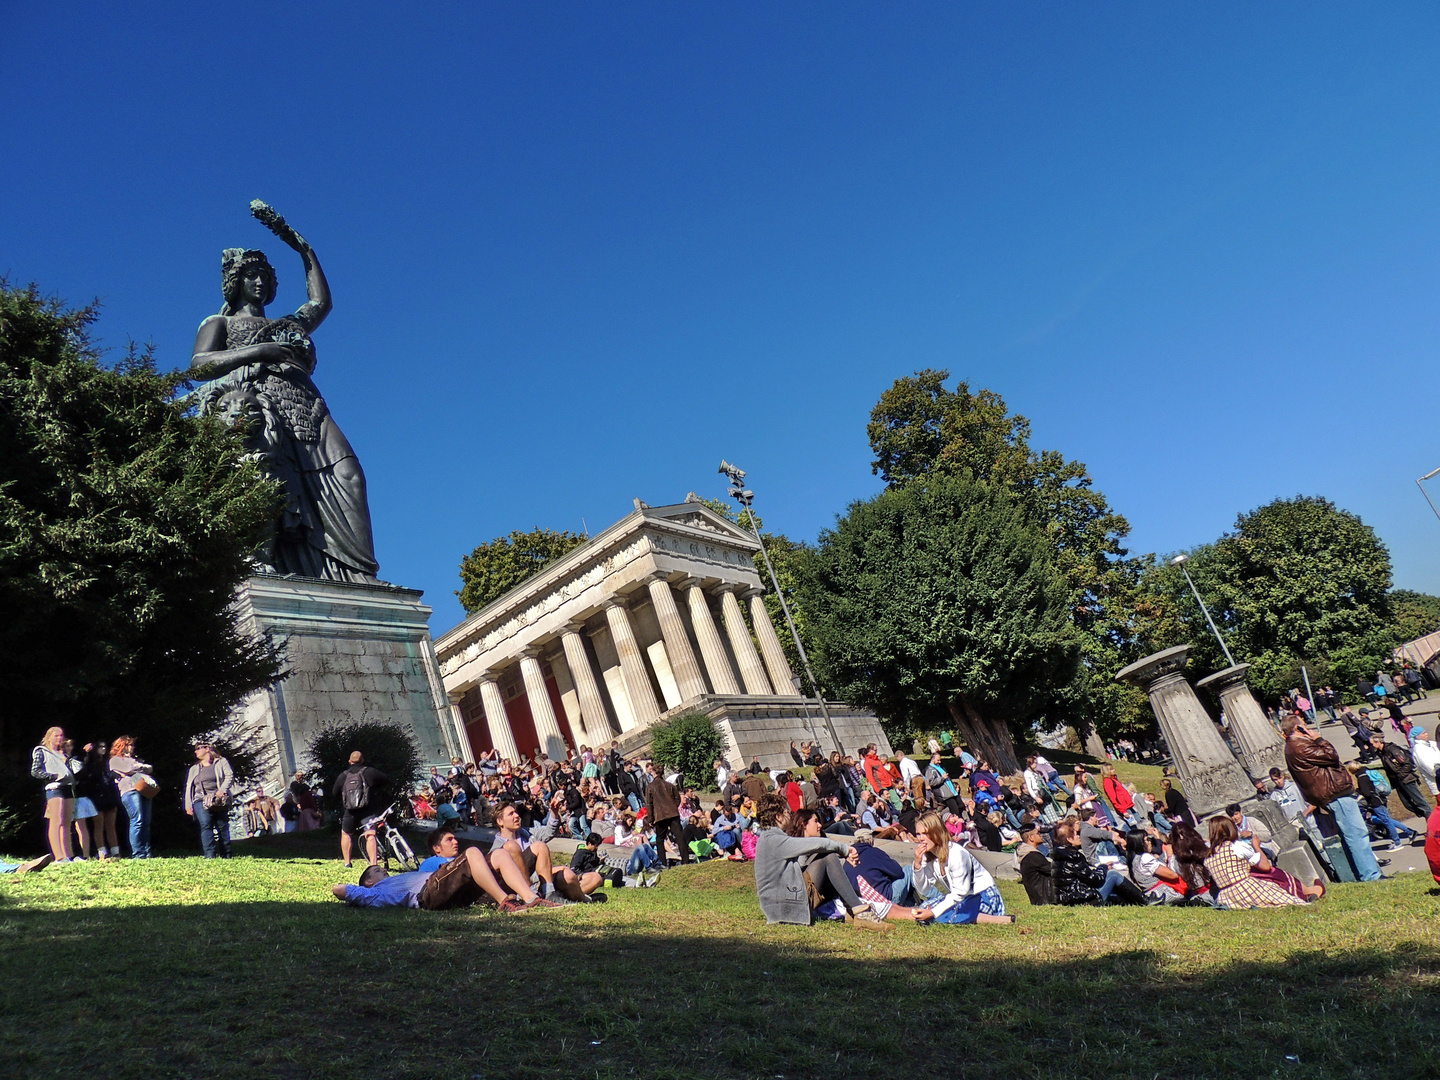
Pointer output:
x,y
324,530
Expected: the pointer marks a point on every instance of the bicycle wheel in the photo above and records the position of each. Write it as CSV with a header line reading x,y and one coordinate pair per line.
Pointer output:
x,y
402,851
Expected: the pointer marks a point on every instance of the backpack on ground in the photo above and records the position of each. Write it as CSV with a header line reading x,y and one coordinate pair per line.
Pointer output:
x,y
354,794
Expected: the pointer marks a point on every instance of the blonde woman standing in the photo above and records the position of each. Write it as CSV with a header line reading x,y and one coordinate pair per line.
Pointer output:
x,y
49,764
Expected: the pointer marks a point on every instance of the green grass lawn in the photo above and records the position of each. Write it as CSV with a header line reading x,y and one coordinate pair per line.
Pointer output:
x,y
181,968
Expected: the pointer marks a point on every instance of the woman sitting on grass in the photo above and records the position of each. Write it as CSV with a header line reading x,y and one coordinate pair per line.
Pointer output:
x,y
1239,887
1188,852
725,830
1077,881
1154,872
795,874
952,884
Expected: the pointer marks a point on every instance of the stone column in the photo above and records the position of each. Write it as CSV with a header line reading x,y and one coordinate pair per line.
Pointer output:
x,y
1211,776
717,664
457,720
632,664
752,672
592,705
1261,747
677,642
501,737
547,728
781,677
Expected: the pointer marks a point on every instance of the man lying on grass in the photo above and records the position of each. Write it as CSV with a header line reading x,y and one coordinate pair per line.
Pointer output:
x,y
466,878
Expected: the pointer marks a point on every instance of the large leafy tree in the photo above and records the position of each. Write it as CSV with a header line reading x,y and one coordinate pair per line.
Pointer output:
x,y
497,566
1298,581
1415,614
920,428
943,597
126,525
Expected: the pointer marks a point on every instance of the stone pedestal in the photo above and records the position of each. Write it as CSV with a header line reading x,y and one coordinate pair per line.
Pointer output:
x,y
1209,772
353,652
1211,776
1261,748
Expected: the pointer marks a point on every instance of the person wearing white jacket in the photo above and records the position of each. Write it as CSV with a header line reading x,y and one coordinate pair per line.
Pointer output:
x,y
1427,757
952,884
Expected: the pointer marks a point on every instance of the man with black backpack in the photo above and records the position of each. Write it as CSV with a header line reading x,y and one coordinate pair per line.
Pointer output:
x,y
354,789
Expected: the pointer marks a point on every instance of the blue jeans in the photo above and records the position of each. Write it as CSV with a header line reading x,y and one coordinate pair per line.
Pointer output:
x,y
1112,878
634,802
137,809
579,827
1392,827
643,859
213,827
1356,836
900,890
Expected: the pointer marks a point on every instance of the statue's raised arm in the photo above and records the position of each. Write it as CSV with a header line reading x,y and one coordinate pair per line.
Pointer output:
x,y
312,313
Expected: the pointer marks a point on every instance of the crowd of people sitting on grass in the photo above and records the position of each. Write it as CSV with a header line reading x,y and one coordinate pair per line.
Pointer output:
x,y
814,831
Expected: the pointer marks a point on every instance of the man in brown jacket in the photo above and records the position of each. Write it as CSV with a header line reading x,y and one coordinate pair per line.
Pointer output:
x,y
757,784
662,810
1317,772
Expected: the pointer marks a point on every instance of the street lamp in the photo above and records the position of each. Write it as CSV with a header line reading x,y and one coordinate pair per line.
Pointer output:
x,y
745,497
1179,561
1421,485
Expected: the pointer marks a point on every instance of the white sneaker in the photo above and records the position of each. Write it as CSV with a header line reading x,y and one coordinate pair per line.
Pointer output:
x,y
652,878
633,882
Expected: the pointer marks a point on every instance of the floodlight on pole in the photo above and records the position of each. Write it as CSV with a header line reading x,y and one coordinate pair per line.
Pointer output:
x,y
1180,561
1421,485
745,497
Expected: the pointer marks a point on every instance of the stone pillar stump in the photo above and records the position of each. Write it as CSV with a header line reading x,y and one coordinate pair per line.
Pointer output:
x,y
1211,776
1261,748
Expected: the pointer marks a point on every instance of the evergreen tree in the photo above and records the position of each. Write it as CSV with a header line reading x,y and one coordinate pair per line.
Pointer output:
x,y
126,525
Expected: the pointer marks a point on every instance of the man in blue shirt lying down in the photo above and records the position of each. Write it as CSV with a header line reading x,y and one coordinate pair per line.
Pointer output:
x,y
466,879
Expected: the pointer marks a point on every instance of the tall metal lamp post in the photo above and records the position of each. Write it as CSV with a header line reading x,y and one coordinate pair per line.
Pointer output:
x,y
1179,561
1421,485
745,497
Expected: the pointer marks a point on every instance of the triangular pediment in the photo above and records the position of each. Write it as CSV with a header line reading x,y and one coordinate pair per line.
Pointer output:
x,y
696,515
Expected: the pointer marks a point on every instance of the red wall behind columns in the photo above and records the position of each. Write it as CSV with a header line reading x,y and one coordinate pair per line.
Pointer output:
x,y
522,725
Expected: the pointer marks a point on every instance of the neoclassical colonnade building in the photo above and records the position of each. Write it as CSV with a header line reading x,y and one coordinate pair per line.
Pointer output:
x,y
647,619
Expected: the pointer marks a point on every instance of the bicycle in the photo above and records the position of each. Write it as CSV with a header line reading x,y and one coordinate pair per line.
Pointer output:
x,y
389,842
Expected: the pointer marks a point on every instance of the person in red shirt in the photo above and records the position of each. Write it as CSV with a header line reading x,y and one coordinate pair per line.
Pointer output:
x,y
793,795
875,771
1432,843
1118,795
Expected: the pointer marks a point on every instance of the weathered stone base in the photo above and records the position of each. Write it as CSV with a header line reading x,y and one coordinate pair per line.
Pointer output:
x,y
353,652
764,727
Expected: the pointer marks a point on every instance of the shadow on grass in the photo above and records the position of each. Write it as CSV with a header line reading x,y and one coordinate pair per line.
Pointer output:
x,y
317,990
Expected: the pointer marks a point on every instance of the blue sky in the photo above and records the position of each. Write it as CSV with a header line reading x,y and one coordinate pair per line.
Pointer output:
x,y
579,253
